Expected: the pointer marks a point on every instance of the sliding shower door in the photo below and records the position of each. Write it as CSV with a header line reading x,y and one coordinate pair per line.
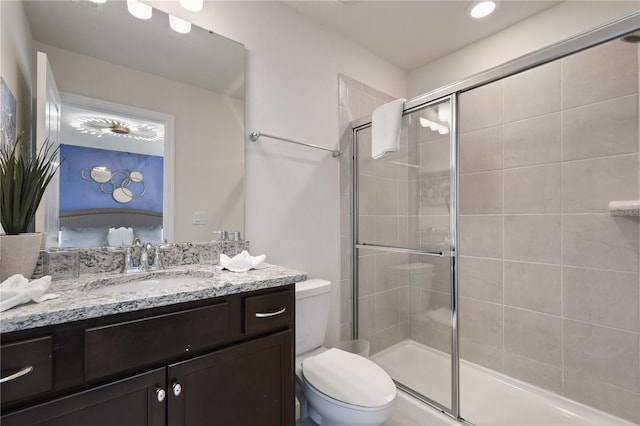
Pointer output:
x,y
549,267
404,244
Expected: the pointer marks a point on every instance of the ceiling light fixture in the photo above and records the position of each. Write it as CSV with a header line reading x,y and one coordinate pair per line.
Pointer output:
x,y
100,127
192,5
435,127
481,9
139,9
179,25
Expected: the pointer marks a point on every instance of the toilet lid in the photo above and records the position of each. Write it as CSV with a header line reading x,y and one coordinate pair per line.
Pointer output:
x,y
349,378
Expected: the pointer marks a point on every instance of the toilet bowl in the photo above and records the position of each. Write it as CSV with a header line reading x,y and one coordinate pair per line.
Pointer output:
x,y
335,387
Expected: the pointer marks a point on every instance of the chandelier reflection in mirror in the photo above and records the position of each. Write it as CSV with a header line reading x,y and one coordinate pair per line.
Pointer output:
x,y
122,185
99,127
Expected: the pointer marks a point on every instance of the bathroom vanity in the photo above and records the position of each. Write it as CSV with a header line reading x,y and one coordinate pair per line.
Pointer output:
x,y
217,351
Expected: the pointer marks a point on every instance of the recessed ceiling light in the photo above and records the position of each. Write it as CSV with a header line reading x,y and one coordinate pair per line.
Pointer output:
x,y
179,25
192,5
139,9
481,9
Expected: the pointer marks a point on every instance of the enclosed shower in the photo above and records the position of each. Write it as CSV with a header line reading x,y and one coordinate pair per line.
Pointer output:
x,y
495,256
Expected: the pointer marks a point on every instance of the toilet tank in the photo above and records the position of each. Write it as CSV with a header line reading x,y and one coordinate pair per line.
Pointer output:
x,y
312,313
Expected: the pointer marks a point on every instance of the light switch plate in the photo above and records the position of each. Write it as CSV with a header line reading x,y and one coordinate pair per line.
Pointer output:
x,y
199,218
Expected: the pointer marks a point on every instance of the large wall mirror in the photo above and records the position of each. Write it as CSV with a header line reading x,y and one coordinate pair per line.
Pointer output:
x,y
151,119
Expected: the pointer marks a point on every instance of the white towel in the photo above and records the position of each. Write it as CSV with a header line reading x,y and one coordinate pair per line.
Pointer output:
x,y
241,262
624,205
17,290
120,237
386,123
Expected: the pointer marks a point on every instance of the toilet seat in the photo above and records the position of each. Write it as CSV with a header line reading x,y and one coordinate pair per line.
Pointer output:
x,y
349,379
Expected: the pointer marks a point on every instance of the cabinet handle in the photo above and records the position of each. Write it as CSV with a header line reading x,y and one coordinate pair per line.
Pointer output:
x,y
270,314
177,389
22,372
160,394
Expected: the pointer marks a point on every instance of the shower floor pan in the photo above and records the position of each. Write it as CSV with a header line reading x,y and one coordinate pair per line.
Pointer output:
x,y
486,397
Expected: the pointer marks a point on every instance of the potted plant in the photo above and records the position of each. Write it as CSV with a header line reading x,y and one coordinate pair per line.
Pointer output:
x,y
23,180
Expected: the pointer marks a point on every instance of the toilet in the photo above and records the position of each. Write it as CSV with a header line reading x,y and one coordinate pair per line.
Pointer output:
x,y
335,387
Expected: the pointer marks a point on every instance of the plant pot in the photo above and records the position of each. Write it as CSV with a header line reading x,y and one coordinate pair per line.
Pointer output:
x,y
19,254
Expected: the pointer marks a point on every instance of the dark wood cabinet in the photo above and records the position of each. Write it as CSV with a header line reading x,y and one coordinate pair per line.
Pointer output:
x,y
129,402
227,361
248,384
27,368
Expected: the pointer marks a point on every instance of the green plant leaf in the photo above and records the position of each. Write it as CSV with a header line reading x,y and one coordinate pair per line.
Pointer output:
x,y
23,181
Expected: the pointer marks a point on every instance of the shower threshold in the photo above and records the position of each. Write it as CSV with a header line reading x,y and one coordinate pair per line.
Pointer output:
x,y
486,397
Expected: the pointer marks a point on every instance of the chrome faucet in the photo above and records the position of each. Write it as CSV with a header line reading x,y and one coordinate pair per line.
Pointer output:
x,y
149,258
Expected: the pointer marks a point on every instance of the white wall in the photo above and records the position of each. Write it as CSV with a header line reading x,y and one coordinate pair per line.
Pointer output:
x,y
550,26
293,193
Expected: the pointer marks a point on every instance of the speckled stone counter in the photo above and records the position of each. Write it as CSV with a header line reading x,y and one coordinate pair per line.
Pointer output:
x,y
80,298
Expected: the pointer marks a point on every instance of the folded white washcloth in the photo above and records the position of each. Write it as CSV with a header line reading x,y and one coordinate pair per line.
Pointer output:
x,y
17,290
241,262
386,123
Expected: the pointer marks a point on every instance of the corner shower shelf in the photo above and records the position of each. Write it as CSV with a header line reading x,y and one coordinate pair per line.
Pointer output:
x,y
624,208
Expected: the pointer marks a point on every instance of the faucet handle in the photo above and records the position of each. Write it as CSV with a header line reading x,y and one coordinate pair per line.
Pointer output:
x,y
128,254
155,262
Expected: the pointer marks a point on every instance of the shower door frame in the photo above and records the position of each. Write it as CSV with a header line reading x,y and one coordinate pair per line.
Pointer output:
x,y
609,31
452,253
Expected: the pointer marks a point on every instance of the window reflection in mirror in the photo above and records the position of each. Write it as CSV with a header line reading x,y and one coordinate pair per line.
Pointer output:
x,y
111,179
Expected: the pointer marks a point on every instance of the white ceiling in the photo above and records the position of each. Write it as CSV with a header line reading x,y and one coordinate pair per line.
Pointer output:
x,y
410,34
108,32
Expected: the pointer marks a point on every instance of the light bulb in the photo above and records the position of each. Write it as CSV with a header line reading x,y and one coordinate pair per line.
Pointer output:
x,y
192,5
482,9
139,9
179,25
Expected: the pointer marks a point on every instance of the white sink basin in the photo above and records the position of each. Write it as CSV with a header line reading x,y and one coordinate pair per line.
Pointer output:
x,y
147,285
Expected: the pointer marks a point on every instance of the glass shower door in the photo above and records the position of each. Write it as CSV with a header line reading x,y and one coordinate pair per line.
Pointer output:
x,y
404,245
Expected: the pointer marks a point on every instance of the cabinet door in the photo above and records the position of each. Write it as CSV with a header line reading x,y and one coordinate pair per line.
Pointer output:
x,y
248,384
128,402
34,359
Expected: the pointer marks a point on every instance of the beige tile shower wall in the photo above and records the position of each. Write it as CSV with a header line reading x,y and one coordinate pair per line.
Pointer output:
x,y
383,219
380,311
549,281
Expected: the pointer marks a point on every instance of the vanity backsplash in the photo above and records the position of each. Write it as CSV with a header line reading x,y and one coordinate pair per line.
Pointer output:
x,y
67,264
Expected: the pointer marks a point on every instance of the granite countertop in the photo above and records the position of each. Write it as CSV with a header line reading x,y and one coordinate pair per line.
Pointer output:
x,y
77,301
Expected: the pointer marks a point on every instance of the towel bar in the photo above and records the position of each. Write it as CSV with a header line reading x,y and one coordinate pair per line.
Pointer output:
x,y
255,135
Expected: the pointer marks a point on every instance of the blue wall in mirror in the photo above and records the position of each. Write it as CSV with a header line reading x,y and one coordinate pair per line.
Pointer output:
x,y
78,192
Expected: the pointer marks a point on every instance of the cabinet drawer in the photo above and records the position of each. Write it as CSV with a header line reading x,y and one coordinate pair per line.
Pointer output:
x,y
268,312
130,345
33,358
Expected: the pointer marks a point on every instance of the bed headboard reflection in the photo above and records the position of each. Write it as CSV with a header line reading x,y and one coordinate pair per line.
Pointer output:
x,y
113,218
90,228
